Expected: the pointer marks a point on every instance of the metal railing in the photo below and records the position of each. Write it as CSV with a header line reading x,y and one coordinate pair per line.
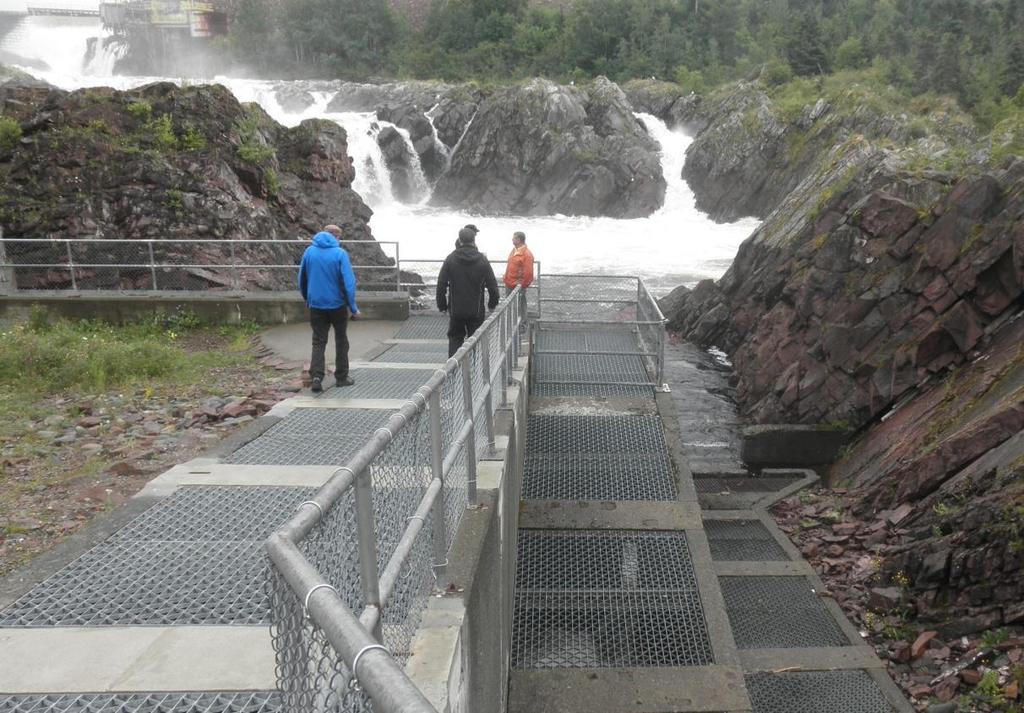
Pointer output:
x,y
203,265
375,537
614,303
196,265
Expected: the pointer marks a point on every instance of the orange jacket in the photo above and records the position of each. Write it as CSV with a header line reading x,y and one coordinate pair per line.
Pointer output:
x,y
520,268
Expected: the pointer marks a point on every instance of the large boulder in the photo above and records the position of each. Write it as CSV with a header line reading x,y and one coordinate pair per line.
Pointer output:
x,y
163,162
542,148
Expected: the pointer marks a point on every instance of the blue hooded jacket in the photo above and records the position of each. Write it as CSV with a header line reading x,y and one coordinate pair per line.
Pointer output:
x,y
326,280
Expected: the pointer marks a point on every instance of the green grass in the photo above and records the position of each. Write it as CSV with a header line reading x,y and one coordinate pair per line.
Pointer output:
x,y
45,356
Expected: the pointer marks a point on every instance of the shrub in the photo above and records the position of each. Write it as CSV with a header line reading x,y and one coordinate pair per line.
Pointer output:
x,y
10,132
161,132
141,109
778,72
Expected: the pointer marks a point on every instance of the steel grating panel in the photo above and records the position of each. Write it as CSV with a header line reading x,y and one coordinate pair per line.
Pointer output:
x,y
425,327
594,435
589,369
816,692
146,583
216,512
585,341
381,384
312,436
598,477
778,613
713,484
415,354
589,599
191,702
742,541
621,391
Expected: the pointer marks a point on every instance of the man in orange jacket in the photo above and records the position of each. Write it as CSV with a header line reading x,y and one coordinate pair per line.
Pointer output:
x,y
519,270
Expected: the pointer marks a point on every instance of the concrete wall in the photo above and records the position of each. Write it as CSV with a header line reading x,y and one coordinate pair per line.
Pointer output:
x,y
462,651
217,308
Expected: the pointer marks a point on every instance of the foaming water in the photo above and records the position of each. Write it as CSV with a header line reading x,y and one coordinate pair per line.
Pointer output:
x,y
676,245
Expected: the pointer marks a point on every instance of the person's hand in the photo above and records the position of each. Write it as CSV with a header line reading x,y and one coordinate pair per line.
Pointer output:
x,y
356,315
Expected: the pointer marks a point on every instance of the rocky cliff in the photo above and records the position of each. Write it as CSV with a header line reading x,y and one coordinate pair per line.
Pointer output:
x,y
885,295
533,149
163,162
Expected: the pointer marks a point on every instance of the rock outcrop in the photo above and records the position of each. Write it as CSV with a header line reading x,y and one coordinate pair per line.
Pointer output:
x,y
887,297
544,148
164,162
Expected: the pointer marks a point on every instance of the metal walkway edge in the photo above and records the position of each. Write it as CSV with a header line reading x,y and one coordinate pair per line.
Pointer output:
x,y
680,596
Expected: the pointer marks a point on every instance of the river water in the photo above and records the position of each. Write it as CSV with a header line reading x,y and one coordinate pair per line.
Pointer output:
x,y
676,245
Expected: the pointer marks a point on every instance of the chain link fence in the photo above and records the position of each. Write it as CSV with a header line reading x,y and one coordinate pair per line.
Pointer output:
x,y
353,570
183,265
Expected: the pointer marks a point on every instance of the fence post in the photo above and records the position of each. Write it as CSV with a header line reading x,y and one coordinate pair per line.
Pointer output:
x,y
505,346
398,268
467,402
71,266
367,544
661,354
152,264
8,285
437,469
234,266
484,346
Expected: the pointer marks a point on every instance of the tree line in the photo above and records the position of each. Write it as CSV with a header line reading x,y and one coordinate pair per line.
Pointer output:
x,y
972,49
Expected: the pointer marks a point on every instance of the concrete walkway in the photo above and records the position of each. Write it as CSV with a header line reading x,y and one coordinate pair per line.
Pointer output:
x,y
645,586
162,605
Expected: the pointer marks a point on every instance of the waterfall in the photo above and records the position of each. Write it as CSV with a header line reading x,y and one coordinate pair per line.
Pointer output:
x,y
59,43
105,53
438,144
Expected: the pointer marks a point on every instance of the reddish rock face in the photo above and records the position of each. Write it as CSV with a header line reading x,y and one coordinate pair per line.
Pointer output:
x,y
895,306
163,162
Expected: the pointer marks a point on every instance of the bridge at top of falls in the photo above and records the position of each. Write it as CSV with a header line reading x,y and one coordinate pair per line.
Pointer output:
x,y
530,526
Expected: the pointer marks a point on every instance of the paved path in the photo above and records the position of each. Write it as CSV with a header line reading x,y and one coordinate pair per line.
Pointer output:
x,y
645,585
162,605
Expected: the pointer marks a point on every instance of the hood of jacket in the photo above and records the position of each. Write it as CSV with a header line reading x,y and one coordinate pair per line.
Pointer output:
x,y
324,239
467,254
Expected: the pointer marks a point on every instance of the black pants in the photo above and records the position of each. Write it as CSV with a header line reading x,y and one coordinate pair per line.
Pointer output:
x,y
459,328
321,320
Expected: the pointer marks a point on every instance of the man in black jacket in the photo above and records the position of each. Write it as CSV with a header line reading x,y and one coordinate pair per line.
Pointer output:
x,y
460,289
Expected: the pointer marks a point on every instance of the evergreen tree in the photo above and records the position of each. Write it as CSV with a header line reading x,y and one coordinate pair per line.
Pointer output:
x,y
805,46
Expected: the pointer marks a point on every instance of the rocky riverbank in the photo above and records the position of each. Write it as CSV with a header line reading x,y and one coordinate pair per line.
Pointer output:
x,y
884,295
163,162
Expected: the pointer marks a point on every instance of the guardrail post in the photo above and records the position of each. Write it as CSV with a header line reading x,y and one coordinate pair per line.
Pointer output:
x,y
467,402
503,340
437,469
234,265
661,354
71,266
398,268
152,264
8,285
367,544
484,346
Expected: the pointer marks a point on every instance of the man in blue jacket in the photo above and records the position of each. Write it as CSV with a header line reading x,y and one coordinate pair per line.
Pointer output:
x,y
328,285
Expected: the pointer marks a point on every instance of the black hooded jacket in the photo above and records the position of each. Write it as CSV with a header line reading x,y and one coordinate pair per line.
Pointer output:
x,y
463,276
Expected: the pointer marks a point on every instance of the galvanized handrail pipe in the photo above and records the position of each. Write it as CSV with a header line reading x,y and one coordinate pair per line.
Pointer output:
x,y
405,544
192,241
367,539
167,265
379,673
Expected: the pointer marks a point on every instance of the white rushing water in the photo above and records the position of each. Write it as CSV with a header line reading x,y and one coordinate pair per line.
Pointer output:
x,y
676,245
